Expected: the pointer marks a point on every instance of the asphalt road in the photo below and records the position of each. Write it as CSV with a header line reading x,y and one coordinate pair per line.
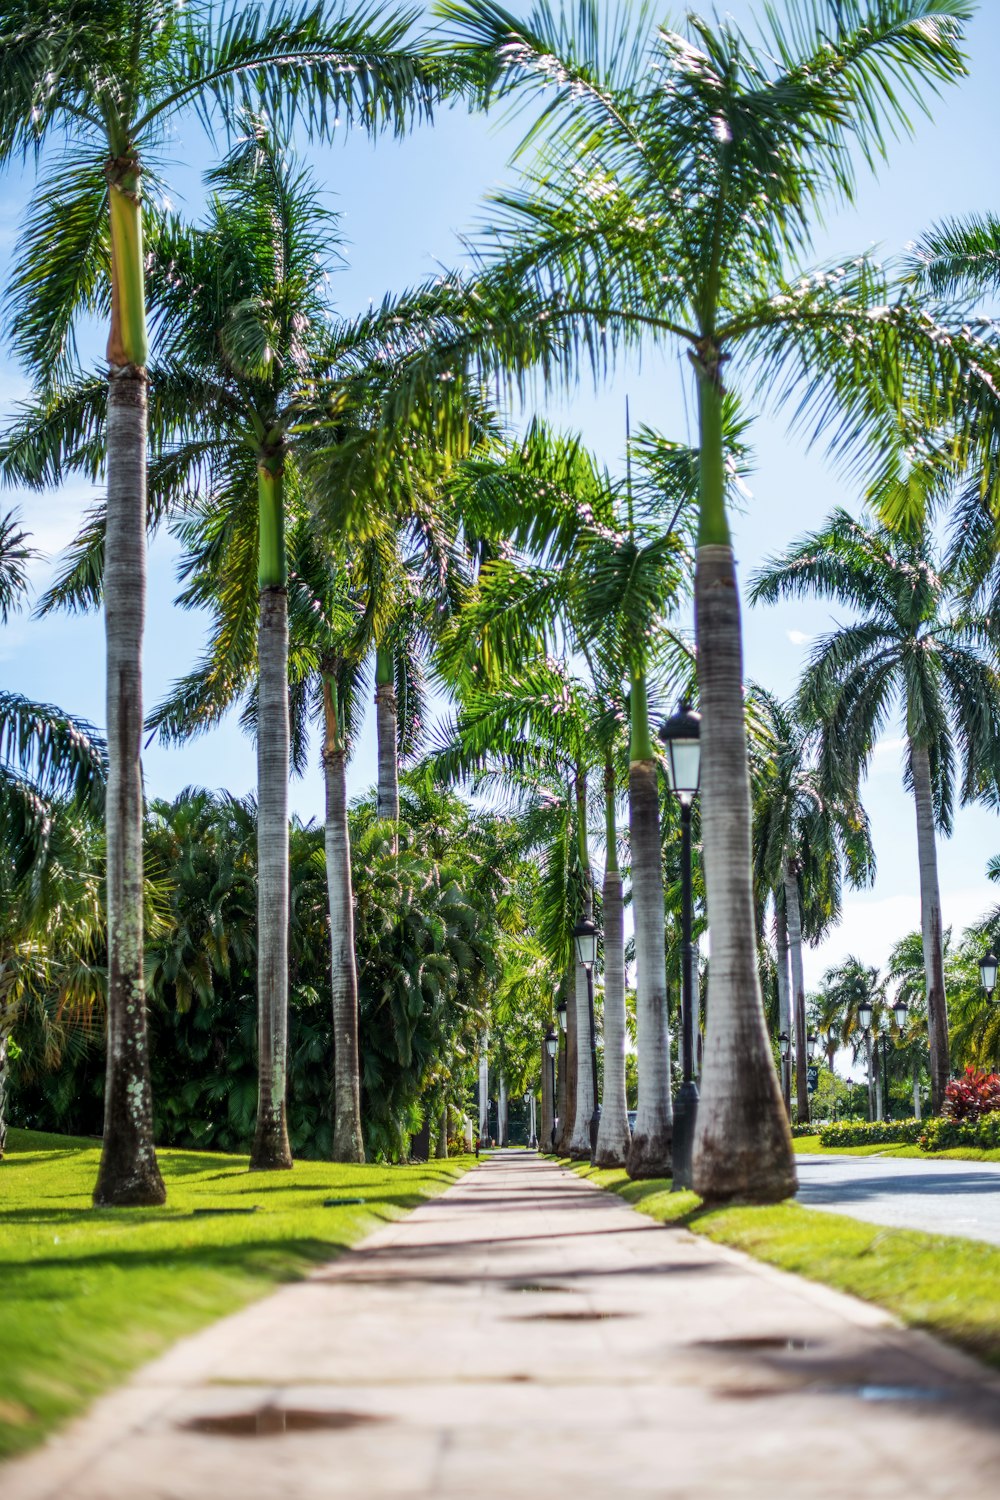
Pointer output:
x,y
941,1197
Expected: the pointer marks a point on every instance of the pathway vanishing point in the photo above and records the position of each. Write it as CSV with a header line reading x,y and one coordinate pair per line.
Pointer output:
x,y
528,1335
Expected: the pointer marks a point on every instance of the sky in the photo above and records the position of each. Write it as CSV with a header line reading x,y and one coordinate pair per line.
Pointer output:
x,y
405,207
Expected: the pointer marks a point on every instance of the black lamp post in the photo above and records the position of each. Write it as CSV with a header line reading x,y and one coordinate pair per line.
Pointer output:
x,y
585,939
552,1047
681,735
988,973
865,1013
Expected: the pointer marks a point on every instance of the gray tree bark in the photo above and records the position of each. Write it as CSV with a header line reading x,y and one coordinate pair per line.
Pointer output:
x,y
129,1174
502,1136
4,1039
614,1137
271,1150
798,992
348,1142
784,1006
743,1146
916,1088
931,927
545,1135
387,794
650,1149
442,1142
484,1088
567,1081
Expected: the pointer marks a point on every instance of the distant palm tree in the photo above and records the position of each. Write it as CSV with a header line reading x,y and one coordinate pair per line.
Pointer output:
x,y
914,649
805,836
679,177
845,988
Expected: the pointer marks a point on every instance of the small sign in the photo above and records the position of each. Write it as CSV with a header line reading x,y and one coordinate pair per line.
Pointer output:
x,y
812,1080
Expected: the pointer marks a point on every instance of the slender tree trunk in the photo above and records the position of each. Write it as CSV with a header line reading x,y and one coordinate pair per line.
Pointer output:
x,y
784,1006
613,1137
545,1136
696,965
566,1083
271,1150
798,992
502,1134
579,1141
484,1088
386,730
872,1116
348,1143
743,1145
932,927
129,1173
879,1100
916,1088
650,1149
5,1030
442,1142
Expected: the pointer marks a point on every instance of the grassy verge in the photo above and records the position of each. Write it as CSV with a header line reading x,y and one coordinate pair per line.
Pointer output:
x,y
947,1285
86,1296
808,1145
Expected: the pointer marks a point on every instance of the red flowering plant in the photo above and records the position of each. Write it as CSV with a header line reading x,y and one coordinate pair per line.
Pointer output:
x,y
975,1094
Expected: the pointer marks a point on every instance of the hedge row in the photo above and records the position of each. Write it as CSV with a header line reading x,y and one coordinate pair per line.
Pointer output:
x,y
880,1133
945,1135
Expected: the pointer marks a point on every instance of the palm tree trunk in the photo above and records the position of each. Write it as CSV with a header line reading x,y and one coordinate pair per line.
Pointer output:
x,y
872,1114
613,1137
743,1145
128,1173
5,1031
386,731
484,1088
916,1088
502,1102
798,992
931,926
348,1142
784,1007
271,1150
548,1103
442,1142
565,1083
650,1150
578,1145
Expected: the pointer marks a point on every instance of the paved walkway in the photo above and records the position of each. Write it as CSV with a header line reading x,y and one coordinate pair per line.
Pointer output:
x,y
941,1197
526,1335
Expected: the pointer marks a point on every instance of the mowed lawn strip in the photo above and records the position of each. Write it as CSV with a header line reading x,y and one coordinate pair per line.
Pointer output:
x,y
87,1296
809,1145
947,1285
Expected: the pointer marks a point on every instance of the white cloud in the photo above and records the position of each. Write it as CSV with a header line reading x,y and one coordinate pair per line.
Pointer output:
x,y
799,637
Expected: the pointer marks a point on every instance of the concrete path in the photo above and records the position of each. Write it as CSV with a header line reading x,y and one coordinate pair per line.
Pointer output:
x,y
526,1335
942,1197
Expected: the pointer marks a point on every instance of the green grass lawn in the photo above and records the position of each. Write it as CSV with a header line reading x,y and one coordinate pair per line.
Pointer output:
x,y
86,1296
947,1285
808,1145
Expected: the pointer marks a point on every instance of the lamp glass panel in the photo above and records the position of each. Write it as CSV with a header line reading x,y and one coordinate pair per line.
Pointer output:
x,y
865,1014
586,948
551,1043
988,971
901,1011
684,761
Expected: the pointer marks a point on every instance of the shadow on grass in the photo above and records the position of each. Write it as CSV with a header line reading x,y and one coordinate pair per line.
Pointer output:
x,y
277,1259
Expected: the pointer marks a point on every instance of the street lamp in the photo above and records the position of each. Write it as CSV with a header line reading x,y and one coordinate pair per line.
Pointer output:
x,y
900,1010
561,1013
988,973
585,937
865,1015
812,1040
681,736
552,1047
783,1045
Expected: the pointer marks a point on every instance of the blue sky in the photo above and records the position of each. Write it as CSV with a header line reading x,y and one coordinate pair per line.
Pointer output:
x,y
404,207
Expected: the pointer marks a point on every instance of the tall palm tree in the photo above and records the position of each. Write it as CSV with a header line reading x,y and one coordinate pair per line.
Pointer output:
x,y
912,648
846,986
681,177
106,82
805,834
600,574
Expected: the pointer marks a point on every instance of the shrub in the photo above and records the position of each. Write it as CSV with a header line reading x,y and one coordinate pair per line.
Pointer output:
x,y
975,1094
948,1133
804,1129
880,1133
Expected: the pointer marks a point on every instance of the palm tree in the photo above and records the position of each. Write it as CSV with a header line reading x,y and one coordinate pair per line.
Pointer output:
x,y
805,835
906,971
845,988
681,177
53,772
106,83
912,647
602,578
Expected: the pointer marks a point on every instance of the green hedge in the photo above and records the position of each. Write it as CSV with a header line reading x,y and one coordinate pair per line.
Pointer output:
x,y
806,1128
881,1133
945,1135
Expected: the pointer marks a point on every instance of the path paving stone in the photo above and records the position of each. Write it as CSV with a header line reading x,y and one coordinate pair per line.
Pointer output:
x,y
527,1335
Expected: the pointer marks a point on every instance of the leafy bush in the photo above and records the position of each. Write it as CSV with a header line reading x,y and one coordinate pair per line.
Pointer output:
x,y
975,1094
879,1133
947,1134
806,1128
